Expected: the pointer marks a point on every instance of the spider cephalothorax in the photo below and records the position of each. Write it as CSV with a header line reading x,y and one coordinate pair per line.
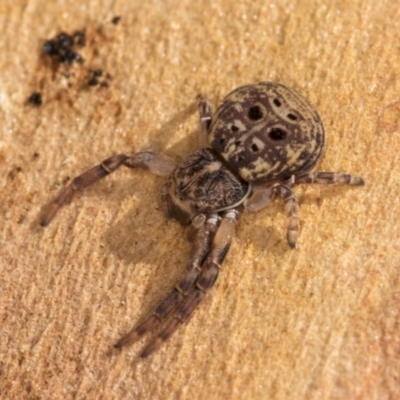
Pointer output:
x,y
264,140
202,184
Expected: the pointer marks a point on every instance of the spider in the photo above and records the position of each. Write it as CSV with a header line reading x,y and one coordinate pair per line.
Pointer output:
x,y
263,140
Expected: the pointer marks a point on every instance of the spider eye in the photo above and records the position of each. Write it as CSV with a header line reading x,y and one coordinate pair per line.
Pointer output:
x,y
292,117
277,134
255,113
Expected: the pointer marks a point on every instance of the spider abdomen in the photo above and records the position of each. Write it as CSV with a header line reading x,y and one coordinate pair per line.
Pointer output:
x,y
267,132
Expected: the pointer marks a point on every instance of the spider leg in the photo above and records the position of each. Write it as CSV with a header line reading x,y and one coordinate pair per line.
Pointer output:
x,y
291,204
259,198
205,114
204,231
292,211
326,178
205,281
156,163
262,196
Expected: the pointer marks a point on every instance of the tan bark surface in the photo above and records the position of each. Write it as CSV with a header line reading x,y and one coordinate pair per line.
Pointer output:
x,y
317,322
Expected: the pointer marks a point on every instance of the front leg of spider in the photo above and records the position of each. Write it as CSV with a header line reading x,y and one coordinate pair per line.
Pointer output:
x,y
204,230
263,140
156,163
195,289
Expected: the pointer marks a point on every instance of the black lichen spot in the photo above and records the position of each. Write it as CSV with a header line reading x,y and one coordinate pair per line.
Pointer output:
x,y
277,134
93,81
79,38
35,99
61,48
98,77
65,40
13,173
116,19
50,47
255,113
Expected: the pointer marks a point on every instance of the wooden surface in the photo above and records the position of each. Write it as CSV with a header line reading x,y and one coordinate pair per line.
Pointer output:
x,y
317,322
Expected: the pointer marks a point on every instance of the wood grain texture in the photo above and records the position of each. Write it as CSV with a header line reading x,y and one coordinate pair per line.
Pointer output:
x,y
317,322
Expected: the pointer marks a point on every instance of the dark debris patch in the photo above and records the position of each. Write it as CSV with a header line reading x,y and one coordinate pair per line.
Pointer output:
x,y
61,54
35,99
13,173
93,81
98,77
62,48
116,19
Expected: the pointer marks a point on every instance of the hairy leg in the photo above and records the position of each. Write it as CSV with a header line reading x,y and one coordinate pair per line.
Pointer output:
x,y
292,211
205,114
326,178
260,198
156,163
205,281
204,231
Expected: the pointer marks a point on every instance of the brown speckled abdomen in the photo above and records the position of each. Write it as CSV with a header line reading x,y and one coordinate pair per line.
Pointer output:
x,y
267,131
